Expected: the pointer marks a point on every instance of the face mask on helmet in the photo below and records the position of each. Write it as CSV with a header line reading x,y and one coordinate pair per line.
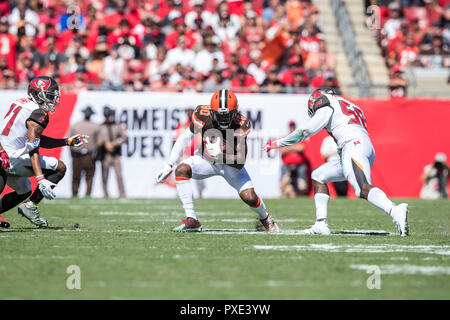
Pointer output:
x,y
224,119
49,99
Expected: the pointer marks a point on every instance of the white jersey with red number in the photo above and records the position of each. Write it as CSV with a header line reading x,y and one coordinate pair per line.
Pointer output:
x,y
347,121
13,137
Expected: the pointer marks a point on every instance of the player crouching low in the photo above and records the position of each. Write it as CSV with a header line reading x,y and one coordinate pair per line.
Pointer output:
x,y
223,152
20,139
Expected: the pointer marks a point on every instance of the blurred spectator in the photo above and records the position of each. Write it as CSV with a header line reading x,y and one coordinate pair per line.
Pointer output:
x,y
97,41
203,63
155,68
296,79
243,82
320,59
111,136
398,86
25,69
225,25
296,169
51,53
8,43
393,23
23,20
179,55
113,71
198,12
329,152
255,68
271,84
83,158
269,12
435,178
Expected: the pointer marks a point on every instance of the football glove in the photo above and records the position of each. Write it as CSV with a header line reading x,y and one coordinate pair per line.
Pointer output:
x,y
77,140
214,149
164,173
5,160
46,187
272,144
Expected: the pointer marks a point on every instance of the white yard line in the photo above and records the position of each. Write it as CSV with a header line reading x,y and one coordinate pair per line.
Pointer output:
x,y
428,249
405,269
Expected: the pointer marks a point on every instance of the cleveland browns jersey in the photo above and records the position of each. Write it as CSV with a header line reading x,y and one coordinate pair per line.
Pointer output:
x,y
14,131
347,121
204,123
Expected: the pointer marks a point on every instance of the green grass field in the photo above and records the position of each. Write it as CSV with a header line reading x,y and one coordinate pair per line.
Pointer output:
x,y
125,250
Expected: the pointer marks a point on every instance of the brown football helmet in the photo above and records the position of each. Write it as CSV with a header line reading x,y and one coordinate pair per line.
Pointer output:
x,y
224,106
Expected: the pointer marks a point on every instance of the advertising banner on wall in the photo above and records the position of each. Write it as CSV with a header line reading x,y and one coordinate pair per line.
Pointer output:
x,y
151,120
406,134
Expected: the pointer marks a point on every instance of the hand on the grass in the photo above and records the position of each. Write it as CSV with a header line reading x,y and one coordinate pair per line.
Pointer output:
x,y
164,173
77,140
46,187
272,144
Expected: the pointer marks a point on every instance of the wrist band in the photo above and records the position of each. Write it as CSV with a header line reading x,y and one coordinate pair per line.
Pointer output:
x,y
40,178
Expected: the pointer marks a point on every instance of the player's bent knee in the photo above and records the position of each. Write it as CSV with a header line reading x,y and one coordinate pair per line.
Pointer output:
x,y
317,176
61,167
364,193
250,197
183,170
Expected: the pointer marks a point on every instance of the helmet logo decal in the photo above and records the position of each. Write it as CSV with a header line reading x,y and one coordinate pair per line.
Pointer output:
x,y
40,84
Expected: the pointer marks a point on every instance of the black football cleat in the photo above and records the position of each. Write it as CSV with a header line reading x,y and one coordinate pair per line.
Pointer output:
x,y
3,223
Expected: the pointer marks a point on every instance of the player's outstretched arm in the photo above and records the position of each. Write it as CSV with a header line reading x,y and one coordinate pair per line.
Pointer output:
x,y
34,136
310,128
177,150
74,141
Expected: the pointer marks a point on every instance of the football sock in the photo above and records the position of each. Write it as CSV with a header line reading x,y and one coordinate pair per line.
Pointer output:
x,y
321,201
379,199
11,200
260,209
186,196
54,177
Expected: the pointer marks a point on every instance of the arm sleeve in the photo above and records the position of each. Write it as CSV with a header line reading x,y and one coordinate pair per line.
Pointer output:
x,y
314,125
180,145
50,143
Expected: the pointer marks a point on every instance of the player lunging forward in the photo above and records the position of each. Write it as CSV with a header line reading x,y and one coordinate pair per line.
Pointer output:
x,y
224,134
20,139
345,122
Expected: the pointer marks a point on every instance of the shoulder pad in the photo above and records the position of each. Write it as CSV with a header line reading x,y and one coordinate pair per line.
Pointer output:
x,y
321,102
243,126
40,117
316,101
201,115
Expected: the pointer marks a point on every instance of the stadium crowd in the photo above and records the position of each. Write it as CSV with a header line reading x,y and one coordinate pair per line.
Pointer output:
x,y
412,33
165,45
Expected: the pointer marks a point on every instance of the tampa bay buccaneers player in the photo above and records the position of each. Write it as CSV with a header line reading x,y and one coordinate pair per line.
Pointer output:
x,y
346,123
224,132
20,139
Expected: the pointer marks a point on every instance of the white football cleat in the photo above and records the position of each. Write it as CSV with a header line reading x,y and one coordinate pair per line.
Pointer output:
x,y
320,227
30,211
400,217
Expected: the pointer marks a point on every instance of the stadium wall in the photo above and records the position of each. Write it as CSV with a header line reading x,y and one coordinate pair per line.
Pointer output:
x,y
406,133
